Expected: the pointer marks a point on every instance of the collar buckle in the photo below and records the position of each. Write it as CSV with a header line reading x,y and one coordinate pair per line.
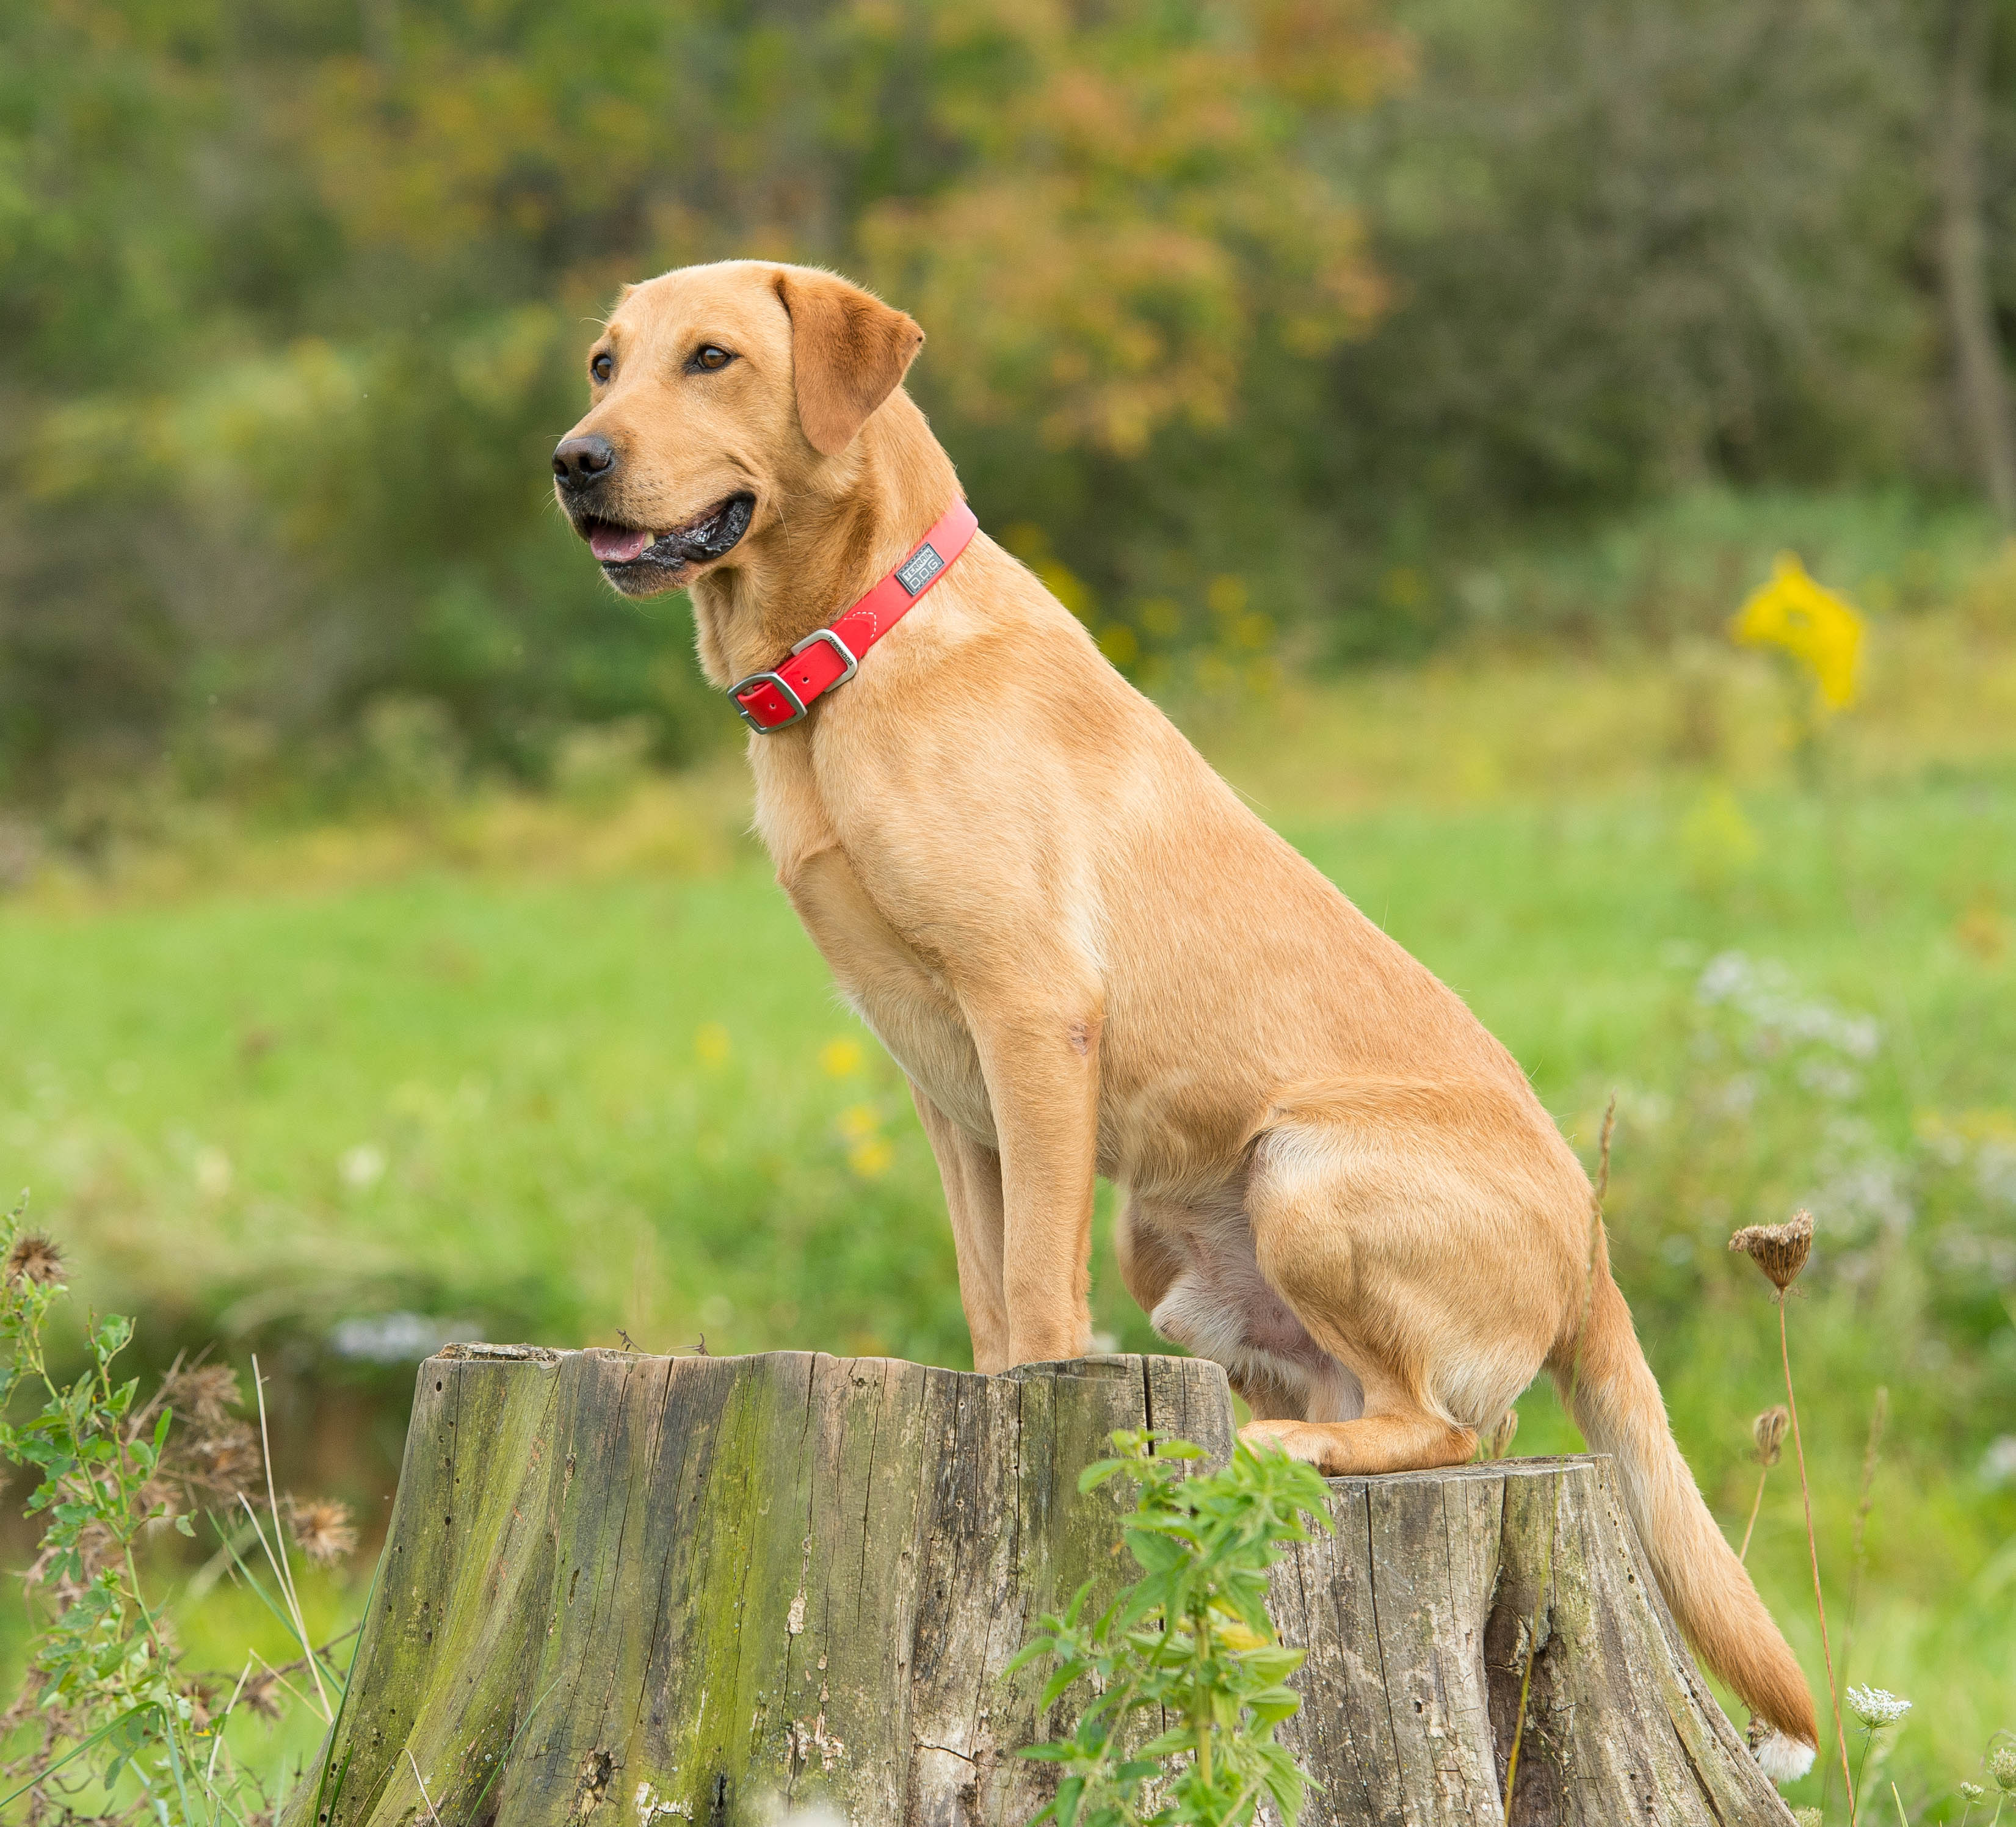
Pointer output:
x,y
755,680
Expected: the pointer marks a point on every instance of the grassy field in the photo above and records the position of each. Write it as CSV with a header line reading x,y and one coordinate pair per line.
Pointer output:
x,y
568,1070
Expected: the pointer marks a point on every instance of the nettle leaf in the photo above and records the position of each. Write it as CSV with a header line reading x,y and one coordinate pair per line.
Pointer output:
x,y
1059,1683
1275,1704
1157,1554
1191,1637
1033,1650
1099,1473
114,1334
1274,1664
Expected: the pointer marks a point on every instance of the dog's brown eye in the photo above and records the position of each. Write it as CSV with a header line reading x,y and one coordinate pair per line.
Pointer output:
x,y
601,367
711,356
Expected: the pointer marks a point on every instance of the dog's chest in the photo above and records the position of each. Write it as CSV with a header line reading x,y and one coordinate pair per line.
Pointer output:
x,y
890,983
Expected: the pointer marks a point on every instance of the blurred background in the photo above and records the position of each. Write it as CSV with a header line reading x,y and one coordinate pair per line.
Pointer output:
x,y
1408,395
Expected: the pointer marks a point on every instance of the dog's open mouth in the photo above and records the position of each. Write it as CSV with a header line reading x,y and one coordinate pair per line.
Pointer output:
x,y
627,549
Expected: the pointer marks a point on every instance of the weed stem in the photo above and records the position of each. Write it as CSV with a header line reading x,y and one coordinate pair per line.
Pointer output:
x,y
1756,1504
1813,1548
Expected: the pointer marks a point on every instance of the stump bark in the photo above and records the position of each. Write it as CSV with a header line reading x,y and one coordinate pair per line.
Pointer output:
x,y
625,1589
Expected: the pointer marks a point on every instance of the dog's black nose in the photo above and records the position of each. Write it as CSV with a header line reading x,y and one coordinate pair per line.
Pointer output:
x,y
577,462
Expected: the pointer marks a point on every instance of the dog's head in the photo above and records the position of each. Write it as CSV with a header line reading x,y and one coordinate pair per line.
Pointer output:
x,y
720,393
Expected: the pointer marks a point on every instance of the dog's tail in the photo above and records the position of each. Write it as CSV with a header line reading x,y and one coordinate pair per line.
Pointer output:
x,y
1609,1388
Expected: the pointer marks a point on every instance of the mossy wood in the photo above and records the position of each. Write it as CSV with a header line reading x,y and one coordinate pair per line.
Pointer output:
x,y
620,1589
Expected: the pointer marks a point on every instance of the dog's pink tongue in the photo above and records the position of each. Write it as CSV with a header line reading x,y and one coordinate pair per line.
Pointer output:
x,y
617,545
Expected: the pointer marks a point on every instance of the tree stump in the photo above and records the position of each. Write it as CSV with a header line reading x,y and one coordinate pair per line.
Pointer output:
x,y
620,1588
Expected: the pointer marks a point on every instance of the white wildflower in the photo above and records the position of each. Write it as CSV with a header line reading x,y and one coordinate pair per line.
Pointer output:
x,y
1876,1707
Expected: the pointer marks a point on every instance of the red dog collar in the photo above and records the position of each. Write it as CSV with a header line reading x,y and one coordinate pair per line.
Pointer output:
x,y
830,656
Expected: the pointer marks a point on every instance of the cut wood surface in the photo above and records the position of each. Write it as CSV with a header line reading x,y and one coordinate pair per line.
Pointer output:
x,y
640,1590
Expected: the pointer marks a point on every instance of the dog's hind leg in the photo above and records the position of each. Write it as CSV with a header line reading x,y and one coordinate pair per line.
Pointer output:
x,y
1152,1240
1191,1266
1428,1251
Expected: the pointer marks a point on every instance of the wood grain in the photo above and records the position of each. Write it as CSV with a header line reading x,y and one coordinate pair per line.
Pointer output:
x,y
643,1589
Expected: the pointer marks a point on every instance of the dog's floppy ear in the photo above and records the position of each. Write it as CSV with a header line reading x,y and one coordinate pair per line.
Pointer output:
x,y
848,352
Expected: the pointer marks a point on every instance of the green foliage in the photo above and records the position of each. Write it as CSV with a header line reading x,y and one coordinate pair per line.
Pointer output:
x,y
1191,1641
107,1706
297,307
533,1071
101,1667
1322,299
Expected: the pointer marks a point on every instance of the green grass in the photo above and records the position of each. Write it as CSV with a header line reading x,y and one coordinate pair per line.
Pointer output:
x,y
527,1078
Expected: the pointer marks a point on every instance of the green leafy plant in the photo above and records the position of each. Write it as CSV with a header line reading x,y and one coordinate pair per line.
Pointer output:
x,y
109,1726
1189,1645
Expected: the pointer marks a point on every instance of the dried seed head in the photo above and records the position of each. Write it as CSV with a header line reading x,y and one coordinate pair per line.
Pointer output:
x,y
34,1258
1779,1250
204,1394
1767,1430
202,1699
224,1457
1971,1792
322,1529
262,1693
1809,1817
1876,1707
2002,1766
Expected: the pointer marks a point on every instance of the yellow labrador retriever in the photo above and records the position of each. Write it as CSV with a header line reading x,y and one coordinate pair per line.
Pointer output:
x,y
1091,958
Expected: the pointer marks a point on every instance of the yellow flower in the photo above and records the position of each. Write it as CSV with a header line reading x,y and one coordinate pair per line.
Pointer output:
x,y
841,1059
1231,1631
711,1042
857,1121
870,1157
1818,629
1119,644
1718,841
1226,597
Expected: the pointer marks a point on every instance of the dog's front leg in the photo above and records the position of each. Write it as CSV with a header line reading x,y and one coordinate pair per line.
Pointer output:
x,y
971,1174
1039,1055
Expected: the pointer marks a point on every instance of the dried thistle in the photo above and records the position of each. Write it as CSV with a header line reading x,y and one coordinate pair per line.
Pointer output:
x,y
1767,1430
1779,1250
201,1697
34,1258
261,1695
203,1395
322,1530
225,1459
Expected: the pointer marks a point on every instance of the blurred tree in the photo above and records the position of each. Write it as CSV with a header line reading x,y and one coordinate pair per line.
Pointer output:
x,y
1980,385
1293,302
1642,241
1133,211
